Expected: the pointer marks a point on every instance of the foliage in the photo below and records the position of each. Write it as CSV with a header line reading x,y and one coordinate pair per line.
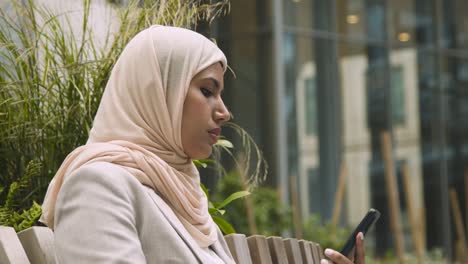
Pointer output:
x,y
327,235
266,203
434,256
16,198
248,160
52,76
217,210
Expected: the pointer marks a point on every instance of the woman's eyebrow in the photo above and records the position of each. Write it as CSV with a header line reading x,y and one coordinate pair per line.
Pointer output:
x,y
215,82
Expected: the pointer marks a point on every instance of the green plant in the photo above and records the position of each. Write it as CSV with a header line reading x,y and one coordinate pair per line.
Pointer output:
x,y
267,207
217,211
16,198
247,159
51,82
327,235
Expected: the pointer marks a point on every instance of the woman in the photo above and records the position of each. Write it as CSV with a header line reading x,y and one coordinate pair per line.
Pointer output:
x,y
132,193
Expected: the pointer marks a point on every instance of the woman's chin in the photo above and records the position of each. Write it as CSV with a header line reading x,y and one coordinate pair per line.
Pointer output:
x,y
200,155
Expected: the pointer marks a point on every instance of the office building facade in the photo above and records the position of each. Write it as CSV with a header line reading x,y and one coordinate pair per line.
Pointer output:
x,y
319,82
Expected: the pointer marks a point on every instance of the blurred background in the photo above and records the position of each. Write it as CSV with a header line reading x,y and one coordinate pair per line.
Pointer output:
x,y
319,82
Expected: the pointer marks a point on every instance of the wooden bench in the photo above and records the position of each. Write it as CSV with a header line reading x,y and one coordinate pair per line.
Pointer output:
x,y
260,249
36,245
33,245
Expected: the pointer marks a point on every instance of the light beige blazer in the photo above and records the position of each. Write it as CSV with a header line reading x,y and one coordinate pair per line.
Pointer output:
x,y
105,215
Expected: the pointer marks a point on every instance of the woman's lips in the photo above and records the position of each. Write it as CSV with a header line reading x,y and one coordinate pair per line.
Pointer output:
x,y
215,131
214,134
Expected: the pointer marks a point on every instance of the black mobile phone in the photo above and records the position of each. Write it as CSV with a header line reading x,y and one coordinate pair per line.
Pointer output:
x,y
369,219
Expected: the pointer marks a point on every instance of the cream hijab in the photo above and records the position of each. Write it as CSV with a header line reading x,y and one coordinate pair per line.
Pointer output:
x,y
138,124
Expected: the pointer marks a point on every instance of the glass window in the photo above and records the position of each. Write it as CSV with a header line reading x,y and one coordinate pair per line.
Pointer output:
x,y
246,84
397,95
375,20
315,196
455,24
298,13
379,93
404,22
361,19
351,17
456,93
301,109
241,35
310,106
247,16
404,94
353,68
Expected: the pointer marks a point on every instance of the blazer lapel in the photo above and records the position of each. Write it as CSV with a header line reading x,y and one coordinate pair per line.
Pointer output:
x,y
221,249
177,225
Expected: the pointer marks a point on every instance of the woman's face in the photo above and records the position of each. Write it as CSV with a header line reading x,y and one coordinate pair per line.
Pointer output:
x,y
204,112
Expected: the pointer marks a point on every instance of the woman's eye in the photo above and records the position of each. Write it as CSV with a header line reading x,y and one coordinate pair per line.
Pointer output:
x,y
206,92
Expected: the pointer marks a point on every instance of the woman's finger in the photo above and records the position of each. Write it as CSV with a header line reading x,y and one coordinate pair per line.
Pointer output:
x,y
360,254
336,257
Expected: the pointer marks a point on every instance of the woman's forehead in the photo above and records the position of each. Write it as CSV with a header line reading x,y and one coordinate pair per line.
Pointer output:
x,y
215,71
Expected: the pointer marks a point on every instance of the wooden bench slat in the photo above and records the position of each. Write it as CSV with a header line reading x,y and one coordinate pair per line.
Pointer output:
x,y
306,252
315,252
239,248
38,242
11,250
259,250
292,250
320,250
278,253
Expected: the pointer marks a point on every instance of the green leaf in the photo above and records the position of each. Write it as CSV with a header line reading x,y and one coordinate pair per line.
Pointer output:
x,y
214,211
232,197
224,143
199,164
225,227
205,190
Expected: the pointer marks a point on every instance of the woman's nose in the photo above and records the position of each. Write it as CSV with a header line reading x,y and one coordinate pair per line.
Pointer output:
x,y
222,114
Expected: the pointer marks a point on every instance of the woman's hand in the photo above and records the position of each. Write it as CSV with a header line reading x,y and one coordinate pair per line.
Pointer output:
x,y
337,258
